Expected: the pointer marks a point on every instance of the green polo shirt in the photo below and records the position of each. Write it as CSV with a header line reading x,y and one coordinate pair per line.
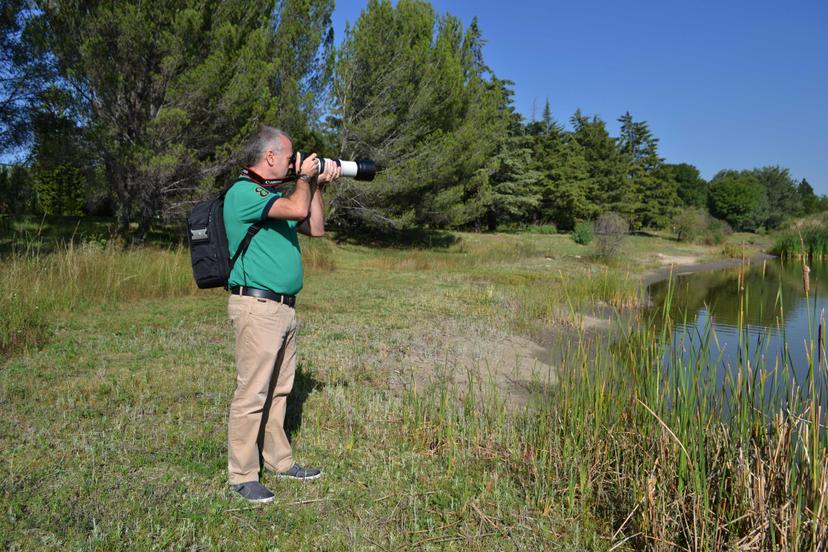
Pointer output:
x,y
273,260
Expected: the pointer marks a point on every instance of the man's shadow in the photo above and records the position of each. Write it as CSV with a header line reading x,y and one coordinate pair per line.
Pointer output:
x,y
304,383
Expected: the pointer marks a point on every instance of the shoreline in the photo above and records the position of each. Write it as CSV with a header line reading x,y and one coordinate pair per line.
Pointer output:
x,y
663,273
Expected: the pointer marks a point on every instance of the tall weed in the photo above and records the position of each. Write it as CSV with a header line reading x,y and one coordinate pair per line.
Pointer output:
x,y
38,287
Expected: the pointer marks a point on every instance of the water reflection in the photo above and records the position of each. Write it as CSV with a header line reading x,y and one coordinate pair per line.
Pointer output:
x,y
780,325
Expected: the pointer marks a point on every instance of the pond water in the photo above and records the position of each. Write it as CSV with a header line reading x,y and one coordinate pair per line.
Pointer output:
x,y
769,322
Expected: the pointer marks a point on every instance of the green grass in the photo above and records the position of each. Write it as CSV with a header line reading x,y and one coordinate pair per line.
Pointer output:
x,y
113,419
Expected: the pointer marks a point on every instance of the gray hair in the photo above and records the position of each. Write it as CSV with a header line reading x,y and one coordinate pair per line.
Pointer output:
x,y
265,138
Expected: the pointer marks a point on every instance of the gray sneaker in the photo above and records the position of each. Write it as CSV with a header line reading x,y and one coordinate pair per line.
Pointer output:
x,y
253,491
298,472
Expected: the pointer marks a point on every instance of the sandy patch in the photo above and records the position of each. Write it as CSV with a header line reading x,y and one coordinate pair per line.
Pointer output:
x,y
677,260
484,356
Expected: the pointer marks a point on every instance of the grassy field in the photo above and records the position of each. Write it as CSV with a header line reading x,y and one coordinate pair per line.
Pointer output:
x,y
439,420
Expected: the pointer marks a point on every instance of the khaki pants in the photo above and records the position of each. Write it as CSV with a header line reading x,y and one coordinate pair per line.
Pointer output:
x,y
265,366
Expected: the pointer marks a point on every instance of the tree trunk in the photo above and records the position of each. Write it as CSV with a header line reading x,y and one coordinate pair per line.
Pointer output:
x,y
149,209
119,184
491,220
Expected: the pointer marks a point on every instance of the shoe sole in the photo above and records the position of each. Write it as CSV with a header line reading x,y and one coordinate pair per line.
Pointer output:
x,y
259,500
308,478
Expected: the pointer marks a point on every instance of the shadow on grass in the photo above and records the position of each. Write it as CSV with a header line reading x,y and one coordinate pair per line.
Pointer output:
x,y
303,385
45,234
406,238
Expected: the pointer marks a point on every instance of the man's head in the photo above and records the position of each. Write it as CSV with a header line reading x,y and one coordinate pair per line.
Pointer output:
x,y
269,152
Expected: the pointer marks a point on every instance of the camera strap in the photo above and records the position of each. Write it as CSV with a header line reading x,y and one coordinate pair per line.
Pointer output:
x,y
251,175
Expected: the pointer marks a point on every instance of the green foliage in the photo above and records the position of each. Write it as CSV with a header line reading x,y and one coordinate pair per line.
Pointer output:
x,y
606,166
653,197
582,233
690,224
60,190
16,193
412,92
691,188
155,99
806,239
739,199
784,200
167,92
810,201
696,225
717,231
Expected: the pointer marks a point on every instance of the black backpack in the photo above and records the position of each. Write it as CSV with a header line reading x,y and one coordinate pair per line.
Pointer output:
x,y
207,238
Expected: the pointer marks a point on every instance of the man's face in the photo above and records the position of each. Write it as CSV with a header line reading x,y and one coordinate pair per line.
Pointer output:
x,y
279,159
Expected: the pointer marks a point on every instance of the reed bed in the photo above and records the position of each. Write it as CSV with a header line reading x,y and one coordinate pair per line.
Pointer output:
x,y
808,240
638,439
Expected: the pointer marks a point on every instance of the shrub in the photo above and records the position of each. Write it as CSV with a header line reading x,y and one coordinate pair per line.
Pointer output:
x,y
610,229
691,224
733,250
545,229
582,233
717,231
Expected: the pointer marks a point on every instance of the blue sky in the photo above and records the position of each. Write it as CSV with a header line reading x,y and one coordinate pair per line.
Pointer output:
x,y
729,84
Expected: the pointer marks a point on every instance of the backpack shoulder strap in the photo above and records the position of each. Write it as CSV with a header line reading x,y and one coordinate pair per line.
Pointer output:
x,y
245,243
252,230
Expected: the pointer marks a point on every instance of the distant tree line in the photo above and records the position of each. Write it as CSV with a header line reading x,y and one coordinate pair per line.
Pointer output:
x,y
138,108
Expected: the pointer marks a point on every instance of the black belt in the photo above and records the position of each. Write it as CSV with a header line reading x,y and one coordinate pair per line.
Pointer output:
x,y
289,300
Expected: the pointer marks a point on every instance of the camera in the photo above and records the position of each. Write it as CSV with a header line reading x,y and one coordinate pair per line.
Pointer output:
x,y
360,169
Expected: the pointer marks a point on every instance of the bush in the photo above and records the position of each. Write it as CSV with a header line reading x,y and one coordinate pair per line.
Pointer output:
x,y
691,224
610,229
582,233
733,250
717,231
545,229
696,225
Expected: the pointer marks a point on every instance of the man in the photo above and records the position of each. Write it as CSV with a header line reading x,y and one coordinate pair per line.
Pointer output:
x,y
263,285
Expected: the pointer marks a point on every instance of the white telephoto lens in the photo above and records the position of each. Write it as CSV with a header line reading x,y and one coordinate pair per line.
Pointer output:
x,y
349,168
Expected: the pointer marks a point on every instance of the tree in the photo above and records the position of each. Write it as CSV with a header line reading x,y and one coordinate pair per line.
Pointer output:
x,y
570,191
739,199
168,91
60,190
24,72
810,201
607,177
411,92
784,200
691,188
515,188
652,192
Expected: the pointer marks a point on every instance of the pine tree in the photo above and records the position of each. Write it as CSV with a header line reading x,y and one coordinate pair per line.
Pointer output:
x,y
653,197
607,170
412,92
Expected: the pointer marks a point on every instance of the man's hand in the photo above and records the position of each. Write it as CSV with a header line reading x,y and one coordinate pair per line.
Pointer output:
x,y
332,172
307,167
